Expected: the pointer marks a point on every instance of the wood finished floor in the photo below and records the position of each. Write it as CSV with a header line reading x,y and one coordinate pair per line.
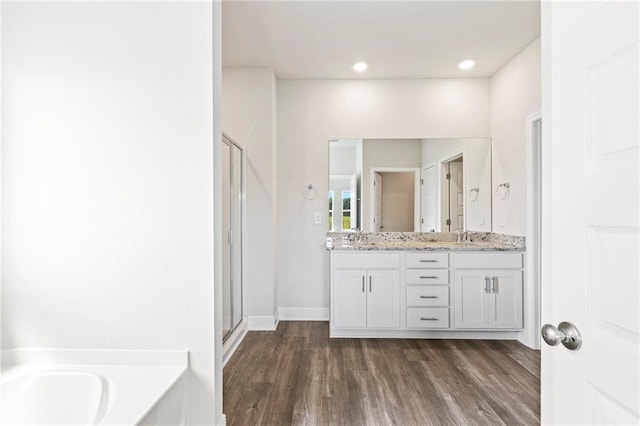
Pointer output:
x,y
297,375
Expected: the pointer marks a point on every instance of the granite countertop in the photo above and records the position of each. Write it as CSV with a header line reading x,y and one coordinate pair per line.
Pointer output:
x,y
424,246
423,242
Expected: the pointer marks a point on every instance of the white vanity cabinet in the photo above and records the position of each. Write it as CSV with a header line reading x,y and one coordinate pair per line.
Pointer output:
x,y
427,290
488,291
365,290
426,294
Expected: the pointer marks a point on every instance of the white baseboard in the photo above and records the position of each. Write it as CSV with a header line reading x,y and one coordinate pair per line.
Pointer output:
x,y
222,420
263,323
529,339
304,314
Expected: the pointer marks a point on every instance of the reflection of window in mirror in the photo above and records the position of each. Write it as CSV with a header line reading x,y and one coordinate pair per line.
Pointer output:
x,y
346,210
330,210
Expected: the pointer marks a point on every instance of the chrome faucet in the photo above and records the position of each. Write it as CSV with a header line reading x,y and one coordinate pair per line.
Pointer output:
x,y
463,236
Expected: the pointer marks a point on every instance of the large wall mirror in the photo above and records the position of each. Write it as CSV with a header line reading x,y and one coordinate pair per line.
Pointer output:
x,y
410,185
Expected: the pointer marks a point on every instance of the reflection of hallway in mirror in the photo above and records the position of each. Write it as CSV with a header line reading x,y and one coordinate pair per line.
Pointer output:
x,y
396,201
453,195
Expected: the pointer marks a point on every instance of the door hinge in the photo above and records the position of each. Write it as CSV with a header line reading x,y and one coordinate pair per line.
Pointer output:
x,y
422,220
448,176
421,181
448,221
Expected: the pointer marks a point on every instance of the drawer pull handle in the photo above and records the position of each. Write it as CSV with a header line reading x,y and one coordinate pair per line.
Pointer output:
x,y
428,276
428,260
428,297
429,319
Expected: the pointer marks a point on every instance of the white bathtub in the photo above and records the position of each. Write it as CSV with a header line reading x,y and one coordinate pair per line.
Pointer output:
x,y
53,387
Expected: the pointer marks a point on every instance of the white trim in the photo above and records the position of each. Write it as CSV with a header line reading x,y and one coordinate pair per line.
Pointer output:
x,y
423,334
233,341
530,336
416,193
262,322
304,314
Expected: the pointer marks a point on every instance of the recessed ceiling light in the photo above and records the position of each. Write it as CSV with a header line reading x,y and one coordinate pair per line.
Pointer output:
x,y
467,64
360,66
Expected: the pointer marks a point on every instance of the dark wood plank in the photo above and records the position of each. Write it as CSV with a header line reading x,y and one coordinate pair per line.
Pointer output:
x,y
296,375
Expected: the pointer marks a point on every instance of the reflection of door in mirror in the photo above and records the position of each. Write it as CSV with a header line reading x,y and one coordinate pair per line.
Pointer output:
x,y
456,196
453,195
377,202
429,184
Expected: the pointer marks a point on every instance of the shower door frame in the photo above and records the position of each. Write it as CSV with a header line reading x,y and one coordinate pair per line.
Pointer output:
x,y
232,338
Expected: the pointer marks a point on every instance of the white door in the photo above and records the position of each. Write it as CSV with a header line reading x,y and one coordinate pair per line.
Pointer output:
x,y
591,229
383,299
377,202
456,196
349,299
429,199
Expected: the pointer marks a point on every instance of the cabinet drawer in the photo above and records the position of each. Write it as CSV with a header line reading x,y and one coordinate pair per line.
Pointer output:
x,y
428,317
488,260
427,276
427,260
366,260
426,295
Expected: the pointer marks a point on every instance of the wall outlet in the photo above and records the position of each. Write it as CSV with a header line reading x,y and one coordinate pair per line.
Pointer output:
x,y
317,218
503,220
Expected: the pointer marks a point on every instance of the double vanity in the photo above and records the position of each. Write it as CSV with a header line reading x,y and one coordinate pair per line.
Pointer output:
x,y
422,285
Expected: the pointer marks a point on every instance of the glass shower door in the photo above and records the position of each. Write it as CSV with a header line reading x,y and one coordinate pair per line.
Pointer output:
x,y
232,203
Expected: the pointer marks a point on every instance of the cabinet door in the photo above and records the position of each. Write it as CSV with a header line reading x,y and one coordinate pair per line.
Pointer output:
x,y
349,299
383,299
505,303
471,298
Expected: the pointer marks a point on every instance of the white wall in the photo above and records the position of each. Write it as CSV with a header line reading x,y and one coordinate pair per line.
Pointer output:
x,y
477,174
515,94
249,118
310,113
108,190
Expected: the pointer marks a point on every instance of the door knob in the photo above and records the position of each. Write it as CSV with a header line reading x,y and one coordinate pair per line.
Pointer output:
x,y
566,333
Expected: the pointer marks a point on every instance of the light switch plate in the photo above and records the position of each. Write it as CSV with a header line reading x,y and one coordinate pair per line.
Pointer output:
x,y
317,218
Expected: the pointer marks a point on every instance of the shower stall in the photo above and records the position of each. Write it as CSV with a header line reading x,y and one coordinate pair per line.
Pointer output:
x,y
233,166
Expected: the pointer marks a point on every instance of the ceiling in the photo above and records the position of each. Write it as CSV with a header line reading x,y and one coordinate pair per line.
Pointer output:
x,y
416,39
